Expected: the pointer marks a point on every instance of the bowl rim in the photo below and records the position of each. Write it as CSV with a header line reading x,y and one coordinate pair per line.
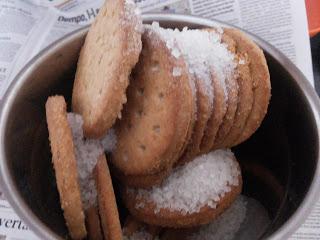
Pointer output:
x,y
41,230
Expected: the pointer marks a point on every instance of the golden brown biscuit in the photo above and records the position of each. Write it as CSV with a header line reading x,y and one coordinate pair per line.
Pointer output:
x,y
93,224
218,113
175,219
261,82
110,51
65,165
245,94
160,110
204,111
188,197
107,201
232,103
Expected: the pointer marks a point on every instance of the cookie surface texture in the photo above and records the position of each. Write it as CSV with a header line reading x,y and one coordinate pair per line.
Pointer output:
x,y
108,209
192,195
110,51
65,165
160,110
261,83
245,95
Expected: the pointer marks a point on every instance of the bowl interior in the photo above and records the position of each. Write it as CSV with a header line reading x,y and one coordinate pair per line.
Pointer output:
x,y
278,162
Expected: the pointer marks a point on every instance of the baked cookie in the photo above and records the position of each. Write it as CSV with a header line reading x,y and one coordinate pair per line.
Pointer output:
x,y
194,194
261,82
232,90
65,165
108,209
218,113
225,90
245,94
93,223
160,110
110,51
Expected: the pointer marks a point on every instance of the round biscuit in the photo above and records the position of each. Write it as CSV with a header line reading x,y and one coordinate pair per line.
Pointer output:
x,y
217,115
261,83
204,111
232,103
110,51
93,223
108,209
166,218
160,111
65,166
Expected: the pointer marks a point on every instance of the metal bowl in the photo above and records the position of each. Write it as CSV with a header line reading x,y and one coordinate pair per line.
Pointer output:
x,y
280,162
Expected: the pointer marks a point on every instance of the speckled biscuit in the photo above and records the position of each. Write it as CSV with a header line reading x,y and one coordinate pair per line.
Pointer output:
x,y
160,110
175,219
215,176
245,93
110,51
204,111
93,223
261,83
218,113
65,165
108,209
232,103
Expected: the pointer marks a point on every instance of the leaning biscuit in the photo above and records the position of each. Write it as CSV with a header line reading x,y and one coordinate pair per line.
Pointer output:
x,y
110,51
193,195
261,82
232,103
245,95
160,110
93,223
65,165
107,202
218,113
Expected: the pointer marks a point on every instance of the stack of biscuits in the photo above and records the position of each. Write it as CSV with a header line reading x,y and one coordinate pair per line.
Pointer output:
x,y
162,108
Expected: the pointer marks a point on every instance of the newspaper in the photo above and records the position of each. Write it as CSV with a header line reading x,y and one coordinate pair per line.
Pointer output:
x,y
27,26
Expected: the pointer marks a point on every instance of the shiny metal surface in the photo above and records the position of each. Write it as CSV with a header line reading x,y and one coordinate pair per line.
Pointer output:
x,y
280,162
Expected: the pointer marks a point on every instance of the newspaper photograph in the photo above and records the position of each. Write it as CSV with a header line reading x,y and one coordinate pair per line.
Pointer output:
x,y
28,26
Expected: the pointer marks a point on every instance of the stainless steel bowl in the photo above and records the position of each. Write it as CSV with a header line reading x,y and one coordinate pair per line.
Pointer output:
x,y
280,162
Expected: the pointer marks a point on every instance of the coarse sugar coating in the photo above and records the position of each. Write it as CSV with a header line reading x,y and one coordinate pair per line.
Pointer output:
x,y
87,152
199,183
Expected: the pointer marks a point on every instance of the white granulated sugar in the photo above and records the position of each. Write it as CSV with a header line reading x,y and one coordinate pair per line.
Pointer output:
x,y
87,153
176,72
226,226
169,39
199,183
203,52
109,141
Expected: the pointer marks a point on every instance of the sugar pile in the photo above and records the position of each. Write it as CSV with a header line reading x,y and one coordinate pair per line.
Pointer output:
x,y
204,53
199,183
87,152
227,225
